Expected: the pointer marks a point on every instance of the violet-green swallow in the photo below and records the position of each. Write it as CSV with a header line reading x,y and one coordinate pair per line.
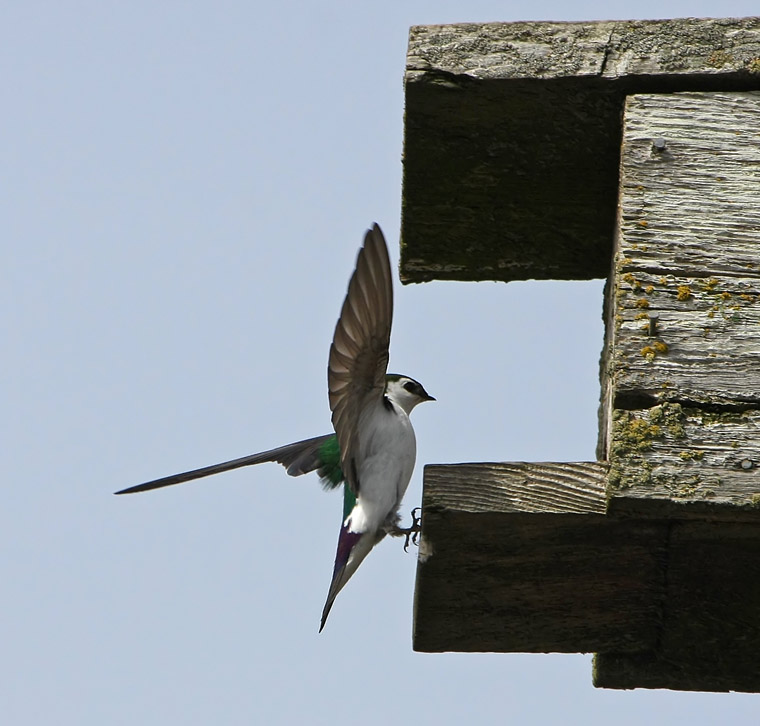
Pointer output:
x,y
373,449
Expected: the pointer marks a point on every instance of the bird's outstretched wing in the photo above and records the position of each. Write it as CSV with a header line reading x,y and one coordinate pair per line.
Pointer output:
x,y
298,458
359,351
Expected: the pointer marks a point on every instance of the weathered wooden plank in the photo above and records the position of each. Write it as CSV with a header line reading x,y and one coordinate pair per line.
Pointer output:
x,y
512,136
509,50
538,487
608,48
681,409
708,639
705,343
687,250
503,570
669,460
683,310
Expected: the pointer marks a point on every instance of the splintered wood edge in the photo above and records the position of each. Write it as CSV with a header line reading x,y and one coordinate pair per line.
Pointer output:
x,y
516,487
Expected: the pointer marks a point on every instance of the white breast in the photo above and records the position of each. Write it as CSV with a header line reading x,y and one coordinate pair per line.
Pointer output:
x,y
386,455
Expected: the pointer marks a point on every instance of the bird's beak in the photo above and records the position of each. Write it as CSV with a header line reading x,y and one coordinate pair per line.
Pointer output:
x,y
429,397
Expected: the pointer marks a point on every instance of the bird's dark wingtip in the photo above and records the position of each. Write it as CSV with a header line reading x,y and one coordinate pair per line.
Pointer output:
x,y
137,488
128,490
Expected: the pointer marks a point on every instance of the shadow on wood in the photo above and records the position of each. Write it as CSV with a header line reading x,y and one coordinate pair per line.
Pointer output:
x,y
521,557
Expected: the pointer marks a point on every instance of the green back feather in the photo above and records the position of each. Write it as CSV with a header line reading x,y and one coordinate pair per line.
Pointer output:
x,y
330,473
349,500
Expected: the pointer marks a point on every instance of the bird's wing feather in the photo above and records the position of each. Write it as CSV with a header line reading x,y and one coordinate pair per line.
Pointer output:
x,y
359,351
298,458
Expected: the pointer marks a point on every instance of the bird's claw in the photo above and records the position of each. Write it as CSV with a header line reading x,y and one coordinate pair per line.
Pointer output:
x,y
411,533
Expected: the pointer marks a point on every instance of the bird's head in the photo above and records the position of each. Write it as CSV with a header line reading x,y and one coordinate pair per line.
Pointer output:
x,y
405,391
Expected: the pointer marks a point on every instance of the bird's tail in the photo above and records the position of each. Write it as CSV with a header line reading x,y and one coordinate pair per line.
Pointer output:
x,y
353,547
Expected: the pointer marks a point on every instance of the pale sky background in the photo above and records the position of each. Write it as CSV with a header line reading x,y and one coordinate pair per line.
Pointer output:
x,y
185,188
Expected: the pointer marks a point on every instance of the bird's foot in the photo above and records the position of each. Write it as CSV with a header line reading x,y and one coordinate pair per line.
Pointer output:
x,y
411,533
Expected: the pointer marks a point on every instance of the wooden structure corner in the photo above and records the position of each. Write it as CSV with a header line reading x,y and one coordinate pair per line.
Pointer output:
x,y
625,150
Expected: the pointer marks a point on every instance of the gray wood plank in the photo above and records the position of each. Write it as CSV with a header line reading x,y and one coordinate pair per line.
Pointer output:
x,y
608,48
680,425
680,417
539,487
688,249
671,461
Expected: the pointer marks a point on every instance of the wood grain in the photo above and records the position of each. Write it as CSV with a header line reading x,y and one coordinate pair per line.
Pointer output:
x,y
503,570
608,49
671,461
688,249
517,487
681,414
682,425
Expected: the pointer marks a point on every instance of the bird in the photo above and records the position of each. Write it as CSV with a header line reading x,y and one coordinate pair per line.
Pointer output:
x,y
372,451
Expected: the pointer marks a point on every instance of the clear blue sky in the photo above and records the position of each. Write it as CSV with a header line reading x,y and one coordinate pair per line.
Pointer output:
x,y
185,187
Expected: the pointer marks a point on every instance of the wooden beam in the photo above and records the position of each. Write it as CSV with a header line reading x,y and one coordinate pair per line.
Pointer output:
x,y
682,396
512,136
677,461
708,636
682,393
513,149
521,557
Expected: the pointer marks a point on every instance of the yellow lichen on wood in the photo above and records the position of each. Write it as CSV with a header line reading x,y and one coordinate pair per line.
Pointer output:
x,y
684,292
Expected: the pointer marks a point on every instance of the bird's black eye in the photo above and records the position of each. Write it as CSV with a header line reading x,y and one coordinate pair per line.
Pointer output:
x,y
411,386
